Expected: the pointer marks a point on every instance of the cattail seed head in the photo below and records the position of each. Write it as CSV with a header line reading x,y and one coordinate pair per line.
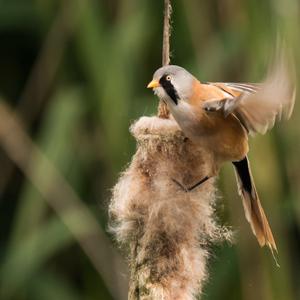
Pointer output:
x,y
167,229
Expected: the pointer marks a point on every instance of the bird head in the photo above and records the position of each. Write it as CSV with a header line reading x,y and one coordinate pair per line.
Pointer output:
x,y
172,84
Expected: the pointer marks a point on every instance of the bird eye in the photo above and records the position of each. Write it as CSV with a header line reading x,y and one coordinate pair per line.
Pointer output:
x,y
168,78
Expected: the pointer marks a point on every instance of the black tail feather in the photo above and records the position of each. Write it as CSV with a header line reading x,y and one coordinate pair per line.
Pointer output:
x,y
254,212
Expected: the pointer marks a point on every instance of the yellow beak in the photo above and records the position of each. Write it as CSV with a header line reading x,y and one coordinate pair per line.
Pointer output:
x,y
153,84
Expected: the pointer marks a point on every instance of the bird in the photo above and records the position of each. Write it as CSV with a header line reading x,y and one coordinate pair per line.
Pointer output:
x,y
220,116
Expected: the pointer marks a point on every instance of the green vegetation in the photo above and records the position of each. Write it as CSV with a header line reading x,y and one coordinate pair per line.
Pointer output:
x,y
75,72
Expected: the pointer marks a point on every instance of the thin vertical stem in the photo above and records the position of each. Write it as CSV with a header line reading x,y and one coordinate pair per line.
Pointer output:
x,y
166,33
163,111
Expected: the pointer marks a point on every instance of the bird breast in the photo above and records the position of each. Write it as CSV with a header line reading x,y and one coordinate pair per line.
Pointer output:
x,y
225,137
187,118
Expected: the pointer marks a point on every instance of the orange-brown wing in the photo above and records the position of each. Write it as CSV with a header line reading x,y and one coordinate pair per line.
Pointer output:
x,y
232,93
235,89
257,106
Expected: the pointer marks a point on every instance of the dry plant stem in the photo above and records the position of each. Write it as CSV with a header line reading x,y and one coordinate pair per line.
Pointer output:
x,y
163,111
166,33
64,201
167,229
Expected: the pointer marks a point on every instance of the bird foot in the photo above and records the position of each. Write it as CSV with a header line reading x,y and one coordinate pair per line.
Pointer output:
x,y
189,189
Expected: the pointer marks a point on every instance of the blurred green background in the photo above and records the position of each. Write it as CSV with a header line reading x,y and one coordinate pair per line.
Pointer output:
x,y
75,72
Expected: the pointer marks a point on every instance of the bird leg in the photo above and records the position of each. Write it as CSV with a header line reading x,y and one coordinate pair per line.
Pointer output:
x,y
189,189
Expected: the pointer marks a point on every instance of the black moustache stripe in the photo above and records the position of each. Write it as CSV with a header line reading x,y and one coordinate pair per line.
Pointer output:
x,y
169,88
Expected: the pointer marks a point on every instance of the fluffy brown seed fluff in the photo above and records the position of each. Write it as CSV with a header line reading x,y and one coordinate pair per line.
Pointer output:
x,y
168,230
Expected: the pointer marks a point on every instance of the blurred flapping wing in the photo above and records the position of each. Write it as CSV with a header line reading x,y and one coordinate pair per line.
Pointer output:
x,y
257,106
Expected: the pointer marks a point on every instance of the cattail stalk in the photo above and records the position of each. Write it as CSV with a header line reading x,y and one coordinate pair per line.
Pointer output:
x,y
166,230
163,111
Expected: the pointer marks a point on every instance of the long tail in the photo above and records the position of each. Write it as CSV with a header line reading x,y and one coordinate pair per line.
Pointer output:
x,y
254,212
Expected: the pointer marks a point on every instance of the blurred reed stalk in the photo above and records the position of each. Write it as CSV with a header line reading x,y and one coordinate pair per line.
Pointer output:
x,y
64,201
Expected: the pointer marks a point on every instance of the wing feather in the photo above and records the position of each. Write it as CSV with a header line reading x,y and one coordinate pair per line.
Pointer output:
x,y
258,106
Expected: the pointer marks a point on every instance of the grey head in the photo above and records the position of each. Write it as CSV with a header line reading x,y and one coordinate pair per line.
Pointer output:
x,y
172,83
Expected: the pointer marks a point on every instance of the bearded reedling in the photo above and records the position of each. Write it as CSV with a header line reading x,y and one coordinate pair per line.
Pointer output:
x,y
220,116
